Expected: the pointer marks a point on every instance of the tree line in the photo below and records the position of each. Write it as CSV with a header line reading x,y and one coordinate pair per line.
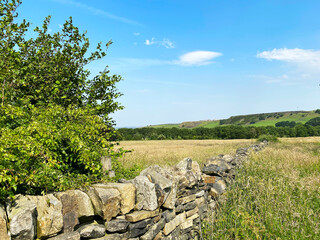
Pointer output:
x,y
221,132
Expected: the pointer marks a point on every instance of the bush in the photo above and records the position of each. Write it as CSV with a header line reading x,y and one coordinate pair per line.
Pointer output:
x,y
269,138
314,122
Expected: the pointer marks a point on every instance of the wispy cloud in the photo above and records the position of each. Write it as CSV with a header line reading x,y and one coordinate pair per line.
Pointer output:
x,y
136,34
99,12
272,79
197,58
164,42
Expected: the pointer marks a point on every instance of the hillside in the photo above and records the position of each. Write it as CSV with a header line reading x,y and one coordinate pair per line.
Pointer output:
x,y
260,119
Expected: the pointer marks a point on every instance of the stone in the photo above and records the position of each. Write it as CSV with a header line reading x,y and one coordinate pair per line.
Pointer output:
x,y
171,198
117,225
154,230
146,197
242,151
106,163
188,165
75,204
208,179
161,195
115,236
192,212
160,176
127,193
139,228
186,224
141,215
186,199
194,216
106,202
91,231
3,224
186,207
159,236
168,215
200,194
49,219
212,205
22,218
216,167
173,224
67,236
219,186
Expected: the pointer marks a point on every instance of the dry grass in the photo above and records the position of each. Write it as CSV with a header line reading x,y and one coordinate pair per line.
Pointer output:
x,y
276,195
170,152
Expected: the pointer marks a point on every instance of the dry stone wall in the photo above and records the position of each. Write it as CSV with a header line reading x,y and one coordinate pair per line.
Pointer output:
x,y
160,203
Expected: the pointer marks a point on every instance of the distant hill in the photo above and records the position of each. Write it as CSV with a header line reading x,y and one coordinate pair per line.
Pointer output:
x,y
260,119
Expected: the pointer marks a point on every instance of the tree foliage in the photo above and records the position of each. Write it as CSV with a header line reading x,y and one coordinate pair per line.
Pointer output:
x,y
54,118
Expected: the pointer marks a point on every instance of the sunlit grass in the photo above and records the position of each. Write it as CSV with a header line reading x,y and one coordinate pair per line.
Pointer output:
x,y
276,195
170,152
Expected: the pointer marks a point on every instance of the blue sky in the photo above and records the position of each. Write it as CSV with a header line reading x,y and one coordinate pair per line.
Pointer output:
x,y
187,60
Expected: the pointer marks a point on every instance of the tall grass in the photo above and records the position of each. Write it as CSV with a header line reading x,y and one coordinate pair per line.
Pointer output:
x,y
276,195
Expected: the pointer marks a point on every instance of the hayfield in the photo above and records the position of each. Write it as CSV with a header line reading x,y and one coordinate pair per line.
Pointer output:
x,y
170,152
276,194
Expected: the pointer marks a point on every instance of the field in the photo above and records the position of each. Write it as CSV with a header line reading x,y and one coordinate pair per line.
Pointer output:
x,y
257,120
276,194
170,152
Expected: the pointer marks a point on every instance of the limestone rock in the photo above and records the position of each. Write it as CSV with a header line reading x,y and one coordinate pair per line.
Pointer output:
x,y
219,186
216,167
117,225
139,228
49,219
127,193
188,165
22,218
168,215
3,224
172,225
106,202
141,215
208,179
154,230
67,236
146,197
75,204
92,231
186,199
171,198
106,163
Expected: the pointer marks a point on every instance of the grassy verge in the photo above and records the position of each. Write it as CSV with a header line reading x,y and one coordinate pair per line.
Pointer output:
x,y
276,195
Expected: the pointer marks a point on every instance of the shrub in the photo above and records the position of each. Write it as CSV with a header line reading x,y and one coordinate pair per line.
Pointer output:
x,y
269,138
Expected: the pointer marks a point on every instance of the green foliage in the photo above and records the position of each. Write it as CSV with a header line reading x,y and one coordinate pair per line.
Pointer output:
x,y
314,122
317,111
54,119
268,138
286,124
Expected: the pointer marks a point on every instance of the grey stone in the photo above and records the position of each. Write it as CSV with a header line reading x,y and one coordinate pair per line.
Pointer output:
x,y
154,230
22,218
75,204
186,207
106,202
139,228
117,225
106,163
91,231
3,224
49,219
171,198
146,197
168,215
67,236
114,236
216,168
188,165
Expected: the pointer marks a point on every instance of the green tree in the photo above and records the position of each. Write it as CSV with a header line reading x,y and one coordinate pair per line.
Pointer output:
x,y
54,119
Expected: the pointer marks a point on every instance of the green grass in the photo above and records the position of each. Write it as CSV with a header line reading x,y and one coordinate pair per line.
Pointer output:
x,y
246,120
275,195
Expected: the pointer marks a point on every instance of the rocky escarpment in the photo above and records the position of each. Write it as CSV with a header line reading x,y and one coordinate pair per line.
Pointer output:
x,y
160,203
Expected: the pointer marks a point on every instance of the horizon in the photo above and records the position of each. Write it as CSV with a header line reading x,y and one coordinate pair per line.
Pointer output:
x,y
182,61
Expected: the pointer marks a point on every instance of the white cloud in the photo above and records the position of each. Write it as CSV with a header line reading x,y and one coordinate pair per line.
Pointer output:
x,y
60,25
136,34
197,58
296,55
305,61
164,42
99,12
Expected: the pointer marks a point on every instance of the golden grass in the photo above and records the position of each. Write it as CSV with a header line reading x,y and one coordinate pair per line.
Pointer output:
x,y
275,196
170,152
